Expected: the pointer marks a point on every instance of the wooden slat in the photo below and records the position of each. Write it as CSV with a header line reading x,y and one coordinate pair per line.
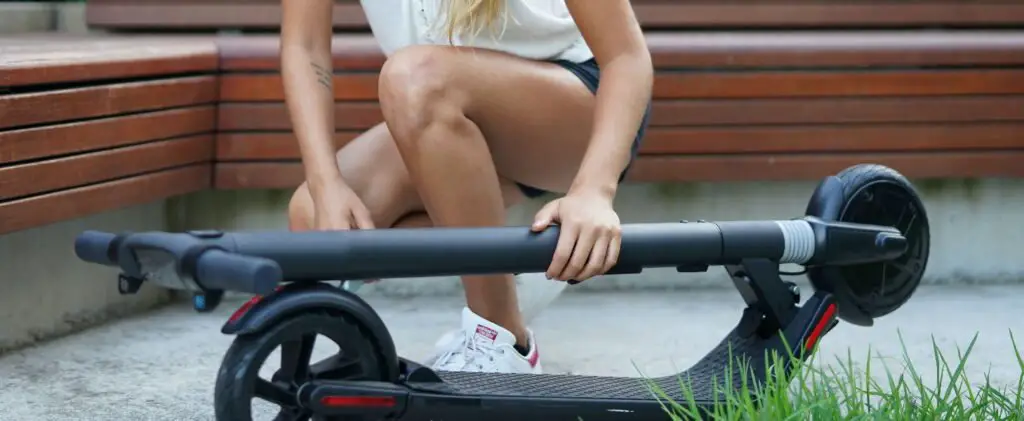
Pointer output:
x,y
266,146
363,115
691,85
78,170
718,49
274,116
651,13
262,52
722,140
269,87
75,203
62,139
39,59
134,14
765,167
257,175
105,100
834,138
830,110
812,13
830,48
778,84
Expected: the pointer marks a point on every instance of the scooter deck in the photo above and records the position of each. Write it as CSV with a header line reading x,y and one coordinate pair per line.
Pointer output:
x,y
706,379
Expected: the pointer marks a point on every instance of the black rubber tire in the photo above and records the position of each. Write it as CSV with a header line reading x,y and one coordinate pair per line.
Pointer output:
x,y
871,296
239,370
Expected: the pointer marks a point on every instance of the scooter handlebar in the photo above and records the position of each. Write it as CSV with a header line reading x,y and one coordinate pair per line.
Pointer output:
x,y
256,262
180,261
96,247
218,269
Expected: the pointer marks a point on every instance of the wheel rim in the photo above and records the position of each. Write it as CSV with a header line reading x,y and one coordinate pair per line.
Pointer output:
x,y
879,287
297,342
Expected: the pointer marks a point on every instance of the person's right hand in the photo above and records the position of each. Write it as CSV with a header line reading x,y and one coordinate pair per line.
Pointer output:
x,y
339,209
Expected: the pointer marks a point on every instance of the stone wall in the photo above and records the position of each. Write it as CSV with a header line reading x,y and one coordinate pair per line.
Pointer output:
x,y
48,292
42,17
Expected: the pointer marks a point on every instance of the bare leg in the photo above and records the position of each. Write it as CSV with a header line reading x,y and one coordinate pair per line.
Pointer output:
x,y
372,167
460,117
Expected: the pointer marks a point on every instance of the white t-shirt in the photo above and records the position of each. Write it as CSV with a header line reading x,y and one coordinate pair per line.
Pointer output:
x,y
533,29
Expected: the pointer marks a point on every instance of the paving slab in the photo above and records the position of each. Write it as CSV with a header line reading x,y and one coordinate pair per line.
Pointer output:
x,y
162,365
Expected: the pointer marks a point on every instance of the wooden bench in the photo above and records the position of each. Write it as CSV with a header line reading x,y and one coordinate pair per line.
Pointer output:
x,y
91,125
264,15
729,106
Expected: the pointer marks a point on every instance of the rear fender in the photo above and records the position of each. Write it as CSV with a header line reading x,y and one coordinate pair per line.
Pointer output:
x,y
260,313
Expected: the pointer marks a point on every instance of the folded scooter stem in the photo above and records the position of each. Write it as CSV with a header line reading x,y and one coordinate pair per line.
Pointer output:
x,y
354,255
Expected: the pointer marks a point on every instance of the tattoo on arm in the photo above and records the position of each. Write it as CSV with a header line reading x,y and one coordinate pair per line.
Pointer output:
x,y
323,76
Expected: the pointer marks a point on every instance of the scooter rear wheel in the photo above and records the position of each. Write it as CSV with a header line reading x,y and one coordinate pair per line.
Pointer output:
x,y
239,382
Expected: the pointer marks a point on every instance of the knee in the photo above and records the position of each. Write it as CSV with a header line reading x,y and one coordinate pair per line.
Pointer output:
x,y
300,210
416,78
417,89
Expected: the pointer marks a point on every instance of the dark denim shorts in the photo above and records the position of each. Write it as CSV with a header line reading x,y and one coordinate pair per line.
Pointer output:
x,y
590,74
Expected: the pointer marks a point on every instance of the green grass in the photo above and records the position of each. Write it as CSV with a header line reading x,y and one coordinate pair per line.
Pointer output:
x,y
867,388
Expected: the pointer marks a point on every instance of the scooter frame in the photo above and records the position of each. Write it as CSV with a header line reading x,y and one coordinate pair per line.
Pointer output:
x,y
285,270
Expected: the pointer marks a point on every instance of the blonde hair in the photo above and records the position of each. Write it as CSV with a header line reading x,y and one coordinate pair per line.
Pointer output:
x,y
470,17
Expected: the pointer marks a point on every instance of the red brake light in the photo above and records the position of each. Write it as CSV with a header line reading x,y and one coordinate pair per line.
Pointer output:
x,y
358,401
812,339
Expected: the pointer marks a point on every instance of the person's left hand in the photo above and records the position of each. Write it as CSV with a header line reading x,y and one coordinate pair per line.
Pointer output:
x,y
589,239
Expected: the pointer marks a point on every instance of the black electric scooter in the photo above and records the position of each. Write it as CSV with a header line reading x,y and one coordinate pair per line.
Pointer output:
x,y
864,241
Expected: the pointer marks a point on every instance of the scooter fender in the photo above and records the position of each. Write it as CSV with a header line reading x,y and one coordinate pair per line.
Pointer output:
x,y
261,313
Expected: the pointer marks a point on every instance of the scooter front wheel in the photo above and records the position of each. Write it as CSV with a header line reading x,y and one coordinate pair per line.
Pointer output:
x,y
240,384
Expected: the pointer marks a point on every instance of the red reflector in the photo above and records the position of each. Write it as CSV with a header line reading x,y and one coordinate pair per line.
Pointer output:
x,y
365,401
820,327
244,308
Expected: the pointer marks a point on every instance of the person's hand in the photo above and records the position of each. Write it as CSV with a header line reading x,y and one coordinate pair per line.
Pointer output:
x,y
589,239
339,209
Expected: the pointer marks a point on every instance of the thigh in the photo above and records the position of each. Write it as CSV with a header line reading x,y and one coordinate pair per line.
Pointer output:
x,y
372,168
536,116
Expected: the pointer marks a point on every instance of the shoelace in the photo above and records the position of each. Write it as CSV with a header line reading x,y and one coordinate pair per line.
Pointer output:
x,y
469,355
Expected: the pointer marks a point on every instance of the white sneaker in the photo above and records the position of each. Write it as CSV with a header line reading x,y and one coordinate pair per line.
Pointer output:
x,y
485,347
535,293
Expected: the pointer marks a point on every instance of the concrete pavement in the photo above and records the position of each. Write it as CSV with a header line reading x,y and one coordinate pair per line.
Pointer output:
x,y
162,365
